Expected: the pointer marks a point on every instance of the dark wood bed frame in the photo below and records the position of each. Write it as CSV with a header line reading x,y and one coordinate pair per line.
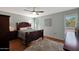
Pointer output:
x,y
30,36
22,24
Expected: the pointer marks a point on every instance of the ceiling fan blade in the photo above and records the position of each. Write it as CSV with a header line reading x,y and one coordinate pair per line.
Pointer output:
x,y
39,11
27,10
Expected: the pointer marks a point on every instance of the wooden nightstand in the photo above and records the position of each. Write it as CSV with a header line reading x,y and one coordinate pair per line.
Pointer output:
x,y
12,35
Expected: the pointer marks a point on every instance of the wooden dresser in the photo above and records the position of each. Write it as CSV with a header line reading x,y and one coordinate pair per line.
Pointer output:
x,y
4,29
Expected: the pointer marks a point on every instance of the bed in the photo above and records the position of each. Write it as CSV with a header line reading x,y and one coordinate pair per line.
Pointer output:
x,y
27,34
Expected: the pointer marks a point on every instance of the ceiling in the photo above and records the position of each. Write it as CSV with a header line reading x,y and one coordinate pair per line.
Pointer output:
x,y
47,10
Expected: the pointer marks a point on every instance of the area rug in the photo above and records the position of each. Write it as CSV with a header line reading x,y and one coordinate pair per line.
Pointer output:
x,y
45,45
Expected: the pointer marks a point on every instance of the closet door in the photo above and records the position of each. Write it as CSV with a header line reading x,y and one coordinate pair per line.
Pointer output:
x,y
4,29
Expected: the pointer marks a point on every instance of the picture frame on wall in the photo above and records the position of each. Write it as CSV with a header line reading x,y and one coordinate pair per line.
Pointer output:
x,y
48,22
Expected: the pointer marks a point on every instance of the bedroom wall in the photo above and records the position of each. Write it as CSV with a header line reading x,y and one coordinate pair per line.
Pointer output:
x,y
14,18
78,19
78,16
57,27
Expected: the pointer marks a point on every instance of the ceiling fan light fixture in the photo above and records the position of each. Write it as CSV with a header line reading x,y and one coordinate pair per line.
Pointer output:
x,y
34,13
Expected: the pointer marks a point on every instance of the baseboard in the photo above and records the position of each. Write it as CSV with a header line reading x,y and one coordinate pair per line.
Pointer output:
x,y
55,39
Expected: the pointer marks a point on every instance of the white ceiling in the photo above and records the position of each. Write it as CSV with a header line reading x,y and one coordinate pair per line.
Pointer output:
x,y
47,10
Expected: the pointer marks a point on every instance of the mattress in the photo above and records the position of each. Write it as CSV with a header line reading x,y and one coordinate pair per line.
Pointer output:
x,y
22,33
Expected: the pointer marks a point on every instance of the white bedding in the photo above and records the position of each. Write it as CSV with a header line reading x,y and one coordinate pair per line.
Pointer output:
x,y
21,33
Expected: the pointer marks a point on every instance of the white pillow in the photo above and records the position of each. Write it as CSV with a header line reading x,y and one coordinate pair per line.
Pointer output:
x,y
25,28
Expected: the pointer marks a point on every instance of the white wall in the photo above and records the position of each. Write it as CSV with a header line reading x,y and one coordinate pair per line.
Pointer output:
x,y
77,26
57,28
15,18
78,15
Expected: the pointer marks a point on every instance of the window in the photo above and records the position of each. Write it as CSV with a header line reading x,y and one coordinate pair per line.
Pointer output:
x,y
34,23
70,21
31,21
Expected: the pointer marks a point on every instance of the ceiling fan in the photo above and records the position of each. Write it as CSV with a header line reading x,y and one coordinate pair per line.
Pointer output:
x,y
34,11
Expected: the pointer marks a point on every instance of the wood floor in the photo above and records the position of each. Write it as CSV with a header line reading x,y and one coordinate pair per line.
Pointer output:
x,y
55,39
17,45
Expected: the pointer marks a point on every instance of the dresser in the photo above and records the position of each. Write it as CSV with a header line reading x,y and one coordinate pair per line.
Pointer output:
x,y
4,29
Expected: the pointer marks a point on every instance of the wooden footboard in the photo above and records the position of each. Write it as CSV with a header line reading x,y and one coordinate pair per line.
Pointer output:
x,y
31,36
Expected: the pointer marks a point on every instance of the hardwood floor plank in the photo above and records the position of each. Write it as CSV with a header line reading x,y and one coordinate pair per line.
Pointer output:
x,y
16,45
55,39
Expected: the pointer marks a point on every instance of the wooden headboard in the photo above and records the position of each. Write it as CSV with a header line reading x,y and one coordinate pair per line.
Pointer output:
x,y
22,24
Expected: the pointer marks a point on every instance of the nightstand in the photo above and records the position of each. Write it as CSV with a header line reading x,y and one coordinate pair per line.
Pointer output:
x,y
12,35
